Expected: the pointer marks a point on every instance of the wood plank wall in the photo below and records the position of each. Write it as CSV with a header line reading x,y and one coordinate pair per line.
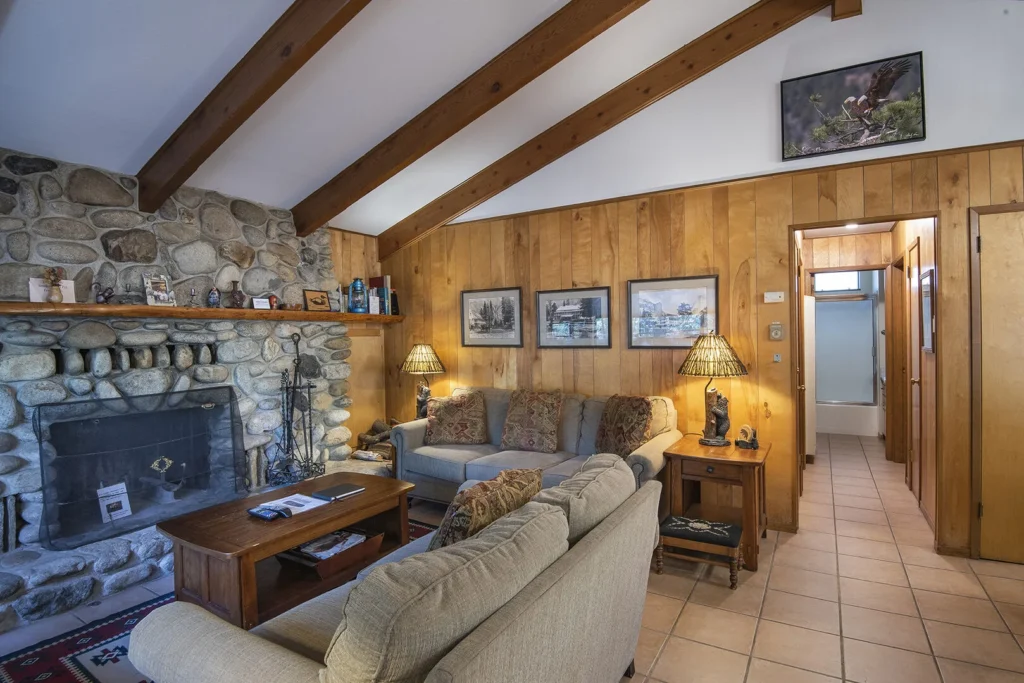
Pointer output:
x,y
847,251
356,256
740,231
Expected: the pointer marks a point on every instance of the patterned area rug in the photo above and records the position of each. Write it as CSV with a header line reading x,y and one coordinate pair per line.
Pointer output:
x,y
98,652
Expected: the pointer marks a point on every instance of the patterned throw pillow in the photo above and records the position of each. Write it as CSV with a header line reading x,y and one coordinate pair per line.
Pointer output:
x,y
532,422
625,424
460,419
475,508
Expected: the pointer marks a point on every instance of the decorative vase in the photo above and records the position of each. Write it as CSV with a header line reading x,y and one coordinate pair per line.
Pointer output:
x,y
273,302
55,296
357,302
237,297
213,298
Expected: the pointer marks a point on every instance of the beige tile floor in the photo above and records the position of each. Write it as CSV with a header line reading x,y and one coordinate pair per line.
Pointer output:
x,y
857,594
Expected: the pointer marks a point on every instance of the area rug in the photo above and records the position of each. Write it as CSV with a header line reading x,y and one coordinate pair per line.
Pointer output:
x,y
98,652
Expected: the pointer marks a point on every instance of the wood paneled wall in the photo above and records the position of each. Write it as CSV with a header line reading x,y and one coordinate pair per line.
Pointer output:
x,y
356,256
848,251
740,231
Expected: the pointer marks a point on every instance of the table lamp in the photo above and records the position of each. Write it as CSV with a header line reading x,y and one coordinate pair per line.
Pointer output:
x,y
422,360
712,356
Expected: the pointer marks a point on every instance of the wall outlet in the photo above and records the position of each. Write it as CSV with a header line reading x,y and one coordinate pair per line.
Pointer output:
x,y
774,297
777,358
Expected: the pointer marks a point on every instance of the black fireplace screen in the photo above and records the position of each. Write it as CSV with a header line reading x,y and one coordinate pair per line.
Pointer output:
x,y
111,466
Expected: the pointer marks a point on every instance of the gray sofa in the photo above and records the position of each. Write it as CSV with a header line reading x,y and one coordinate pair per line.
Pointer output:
x,y
438,471
551,592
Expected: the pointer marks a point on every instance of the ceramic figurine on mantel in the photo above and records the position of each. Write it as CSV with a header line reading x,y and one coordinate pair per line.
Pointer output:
x,y
273,302
357,302
236,296
213,298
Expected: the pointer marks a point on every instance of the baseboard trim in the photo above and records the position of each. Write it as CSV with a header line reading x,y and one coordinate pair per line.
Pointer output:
x,y
952,551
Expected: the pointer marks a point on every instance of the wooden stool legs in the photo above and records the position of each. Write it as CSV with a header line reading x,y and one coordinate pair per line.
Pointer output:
x,y
734,568
659,559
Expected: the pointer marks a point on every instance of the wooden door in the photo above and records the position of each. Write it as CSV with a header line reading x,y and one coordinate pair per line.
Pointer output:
x,y
896,377
914,365
809,377
999,329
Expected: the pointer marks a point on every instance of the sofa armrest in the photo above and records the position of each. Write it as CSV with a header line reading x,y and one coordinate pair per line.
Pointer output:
x,y
407,437
184,643
649,459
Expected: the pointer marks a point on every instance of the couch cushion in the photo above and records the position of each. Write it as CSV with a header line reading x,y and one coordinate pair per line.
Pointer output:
x,y
489,466
309,628
555,475
475,508
625,425
413,547
404,617
663,415
603,484
569,423
663,419
445,462
533,421
496,402
456,420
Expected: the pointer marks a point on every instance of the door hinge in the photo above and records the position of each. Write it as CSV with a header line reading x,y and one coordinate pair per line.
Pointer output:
x,y
981,509
978,244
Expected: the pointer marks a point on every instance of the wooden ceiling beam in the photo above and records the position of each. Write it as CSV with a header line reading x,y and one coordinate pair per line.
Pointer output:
x,y
751,27
554,39
295,37
844,9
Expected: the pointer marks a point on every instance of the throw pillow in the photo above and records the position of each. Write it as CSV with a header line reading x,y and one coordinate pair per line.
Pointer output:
x,y
586,498
458,419
475,508
625,424
532,422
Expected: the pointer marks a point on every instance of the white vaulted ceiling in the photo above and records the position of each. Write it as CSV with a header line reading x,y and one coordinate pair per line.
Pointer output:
x,y
105,82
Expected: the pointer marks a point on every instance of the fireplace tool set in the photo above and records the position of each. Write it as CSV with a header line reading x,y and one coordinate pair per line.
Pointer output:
x,y
289,459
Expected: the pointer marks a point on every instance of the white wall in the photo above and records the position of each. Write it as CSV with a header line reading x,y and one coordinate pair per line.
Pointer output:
x,y
838,419
726,125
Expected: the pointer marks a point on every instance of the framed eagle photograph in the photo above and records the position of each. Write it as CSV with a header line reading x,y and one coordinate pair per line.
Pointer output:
x,y
867,105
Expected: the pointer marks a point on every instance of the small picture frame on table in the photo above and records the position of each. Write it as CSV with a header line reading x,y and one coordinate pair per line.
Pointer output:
x,y
158,290
316,300
260,303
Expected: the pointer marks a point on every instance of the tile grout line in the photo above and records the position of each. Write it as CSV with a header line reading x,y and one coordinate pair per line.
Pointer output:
x,y
839,584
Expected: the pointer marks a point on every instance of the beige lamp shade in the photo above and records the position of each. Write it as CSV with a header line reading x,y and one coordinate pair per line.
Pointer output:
x,y
422,360
712,356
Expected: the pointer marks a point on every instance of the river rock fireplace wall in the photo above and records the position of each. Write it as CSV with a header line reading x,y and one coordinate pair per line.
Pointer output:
x,y
87,220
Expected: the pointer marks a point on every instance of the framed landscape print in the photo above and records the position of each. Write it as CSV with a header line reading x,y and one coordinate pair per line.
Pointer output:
x,y
866,105
574,318
492,317
670,313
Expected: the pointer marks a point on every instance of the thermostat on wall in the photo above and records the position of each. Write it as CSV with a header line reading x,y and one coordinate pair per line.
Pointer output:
x,y
776,332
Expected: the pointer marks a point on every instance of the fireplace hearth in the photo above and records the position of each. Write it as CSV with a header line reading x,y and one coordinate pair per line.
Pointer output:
x,y
114,466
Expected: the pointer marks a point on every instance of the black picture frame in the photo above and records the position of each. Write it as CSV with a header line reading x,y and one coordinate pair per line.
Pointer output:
x,y
605,294
683,342
516,340
917,58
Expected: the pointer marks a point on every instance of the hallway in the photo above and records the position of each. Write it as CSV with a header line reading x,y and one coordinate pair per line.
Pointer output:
x,y
857,595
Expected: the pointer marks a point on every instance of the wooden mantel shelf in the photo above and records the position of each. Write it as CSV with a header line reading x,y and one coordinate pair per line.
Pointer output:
x,y
184,313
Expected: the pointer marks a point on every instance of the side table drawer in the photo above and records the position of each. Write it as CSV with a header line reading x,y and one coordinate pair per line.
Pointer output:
x,y
711,470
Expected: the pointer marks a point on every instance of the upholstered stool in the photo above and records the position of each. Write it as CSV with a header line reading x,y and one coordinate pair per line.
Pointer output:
x,y
698,539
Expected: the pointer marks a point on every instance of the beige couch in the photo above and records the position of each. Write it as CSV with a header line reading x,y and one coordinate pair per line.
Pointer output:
x,y
551,592
438,471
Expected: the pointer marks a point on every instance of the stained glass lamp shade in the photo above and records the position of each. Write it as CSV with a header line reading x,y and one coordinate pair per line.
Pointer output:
x,y
712,356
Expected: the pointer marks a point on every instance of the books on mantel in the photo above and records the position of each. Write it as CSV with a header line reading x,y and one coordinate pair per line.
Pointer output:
x,y
380,295
324,547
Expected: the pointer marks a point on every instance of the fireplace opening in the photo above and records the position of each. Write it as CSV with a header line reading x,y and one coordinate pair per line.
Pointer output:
x,y
112,466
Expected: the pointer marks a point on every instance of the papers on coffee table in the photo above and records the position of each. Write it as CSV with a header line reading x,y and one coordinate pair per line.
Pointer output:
x,y
297,503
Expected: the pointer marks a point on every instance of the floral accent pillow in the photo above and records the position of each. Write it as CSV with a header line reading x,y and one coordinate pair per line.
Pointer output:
x,y
460,419
532,421
625,424
478,506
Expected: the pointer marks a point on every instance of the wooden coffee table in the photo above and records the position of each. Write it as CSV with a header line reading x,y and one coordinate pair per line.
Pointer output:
x,y
224,558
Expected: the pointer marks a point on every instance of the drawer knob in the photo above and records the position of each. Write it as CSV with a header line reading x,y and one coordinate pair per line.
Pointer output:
x,y
710,469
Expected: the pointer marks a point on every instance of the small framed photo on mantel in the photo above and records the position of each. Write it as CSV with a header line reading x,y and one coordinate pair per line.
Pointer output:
x,y
574,318
670,313
158,290
492,317
316,300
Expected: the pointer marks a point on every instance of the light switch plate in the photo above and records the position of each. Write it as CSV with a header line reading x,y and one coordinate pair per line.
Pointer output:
x,y
778,358
774,297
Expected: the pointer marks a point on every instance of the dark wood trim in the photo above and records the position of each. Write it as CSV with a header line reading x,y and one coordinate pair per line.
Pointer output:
x,y
294,38
974,216
844,9
730,39
554,39
185,313
846,269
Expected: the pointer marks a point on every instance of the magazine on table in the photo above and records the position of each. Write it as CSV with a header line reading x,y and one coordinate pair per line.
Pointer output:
x,y
326,546
297,503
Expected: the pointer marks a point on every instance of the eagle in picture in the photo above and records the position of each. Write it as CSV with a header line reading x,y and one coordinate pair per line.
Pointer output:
x,y
877,94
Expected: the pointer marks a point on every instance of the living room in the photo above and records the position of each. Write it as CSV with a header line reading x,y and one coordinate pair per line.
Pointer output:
x,y
371,340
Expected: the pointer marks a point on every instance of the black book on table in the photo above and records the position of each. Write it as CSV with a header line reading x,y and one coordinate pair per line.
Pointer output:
x,y
338,492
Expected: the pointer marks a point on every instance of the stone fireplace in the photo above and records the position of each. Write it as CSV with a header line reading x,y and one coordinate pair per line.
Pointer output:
x,y
122,369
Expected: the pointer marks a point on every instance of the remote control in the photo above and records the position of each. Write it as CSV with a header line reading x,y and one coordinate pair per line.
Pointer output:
x,y
269,512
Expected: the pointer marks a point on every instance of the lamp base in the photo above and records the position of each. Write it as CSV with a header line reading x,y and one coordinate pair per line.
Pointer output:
x,y
715,442
422,396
